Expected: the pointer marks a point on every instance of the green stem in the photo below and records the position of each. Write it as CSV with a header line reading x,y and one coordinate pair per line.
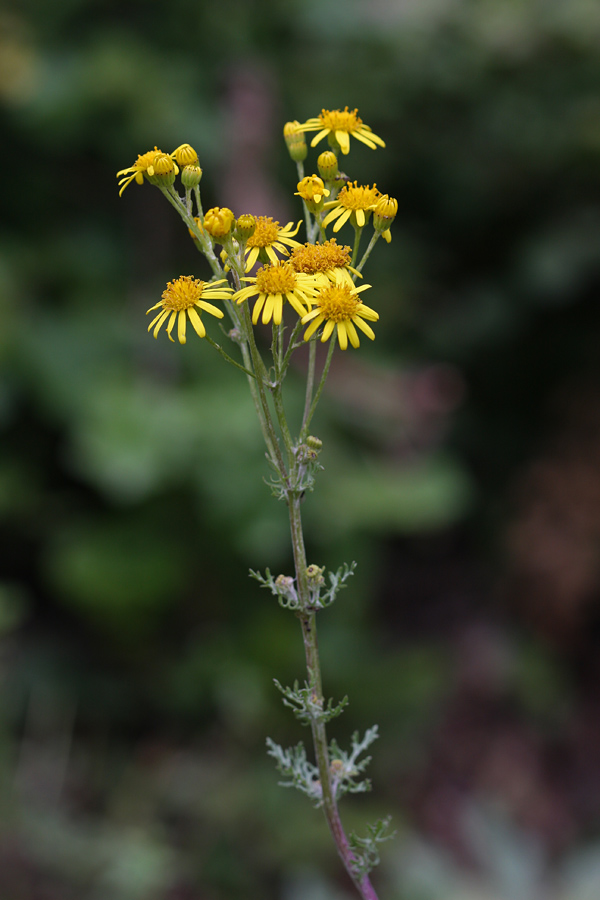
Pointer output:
x,y
204,245
357,237
310,381
318,729
372,242
228,358
311,412
261,375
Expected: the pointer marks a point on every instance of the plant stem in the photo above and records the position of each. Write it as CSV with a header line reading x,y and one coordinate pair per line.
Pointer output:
x,y
311,412
367,252
319,732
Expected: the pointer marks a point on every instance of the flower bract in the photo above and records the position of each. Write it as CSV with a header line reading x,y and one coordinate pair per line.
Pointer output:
x,y
270,237
339,309
272,284
182,299
339,125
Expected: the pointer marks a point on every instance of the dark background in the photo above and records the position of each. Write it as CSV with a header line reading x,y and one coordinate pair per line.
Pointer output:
x,y
461,454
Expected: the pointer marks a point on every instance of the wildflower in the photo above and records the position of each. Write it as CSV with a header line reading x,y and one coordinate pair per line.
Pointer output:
x,y
294,139
180,301
274,283
218,222
144,165
339,307
321,259
164,170
354,203
185,155
312,190
269,237
383,216
338,125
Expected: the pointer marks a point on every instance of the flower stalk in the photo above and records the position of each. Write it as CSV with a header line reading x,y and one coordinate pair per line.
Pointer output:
x,y
314,282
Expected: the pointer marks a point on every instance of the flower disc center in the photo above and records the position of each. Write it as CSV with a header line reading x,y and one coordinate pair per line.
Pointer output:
x,y
182,293
276,279
266,232
338,303
340,120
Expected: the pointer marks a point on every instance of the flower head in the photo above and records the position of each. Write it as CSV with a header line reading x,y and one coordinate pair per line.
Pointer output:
x,y
218,221
340,308
144,165
181,300
268,238
164,170
312,190
273,284
320,259
337,125
352,201
185,155
383,216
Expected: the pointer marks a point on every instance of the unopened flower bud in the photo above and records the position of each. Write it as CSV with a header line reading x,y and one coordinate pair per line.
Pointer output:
x,y
285,582
384,214
218,222
190,176
315,575
185,155
164,170
328,165
245,227
336,767
295,141
313,442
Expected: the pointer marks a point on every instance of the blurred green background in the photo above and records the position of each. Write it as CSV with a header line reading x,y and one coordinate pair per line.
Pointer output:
x,y
461,454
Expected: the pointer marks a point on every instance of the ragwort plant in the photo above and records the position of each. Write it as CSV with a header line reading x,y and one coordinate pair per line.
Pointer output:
x,y
308,292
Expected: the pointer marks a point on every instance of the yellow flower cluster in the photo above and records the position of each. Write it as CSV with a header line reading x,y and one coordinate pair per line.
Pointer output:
x,y
315,278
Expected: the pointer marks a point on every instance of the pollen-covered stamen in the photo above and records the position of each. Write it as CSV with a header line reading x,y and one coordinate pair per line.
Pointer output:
x,y
266,232
354,197
279,279
182,293
314,258
338,303
341,120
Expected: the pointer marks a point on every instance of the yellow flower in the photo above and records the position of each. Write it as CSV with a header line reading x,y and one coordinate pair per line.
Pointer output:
x,y
339,307
274,283
218,221
269,237
142,166
352,201
338,125
180,300
312,188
